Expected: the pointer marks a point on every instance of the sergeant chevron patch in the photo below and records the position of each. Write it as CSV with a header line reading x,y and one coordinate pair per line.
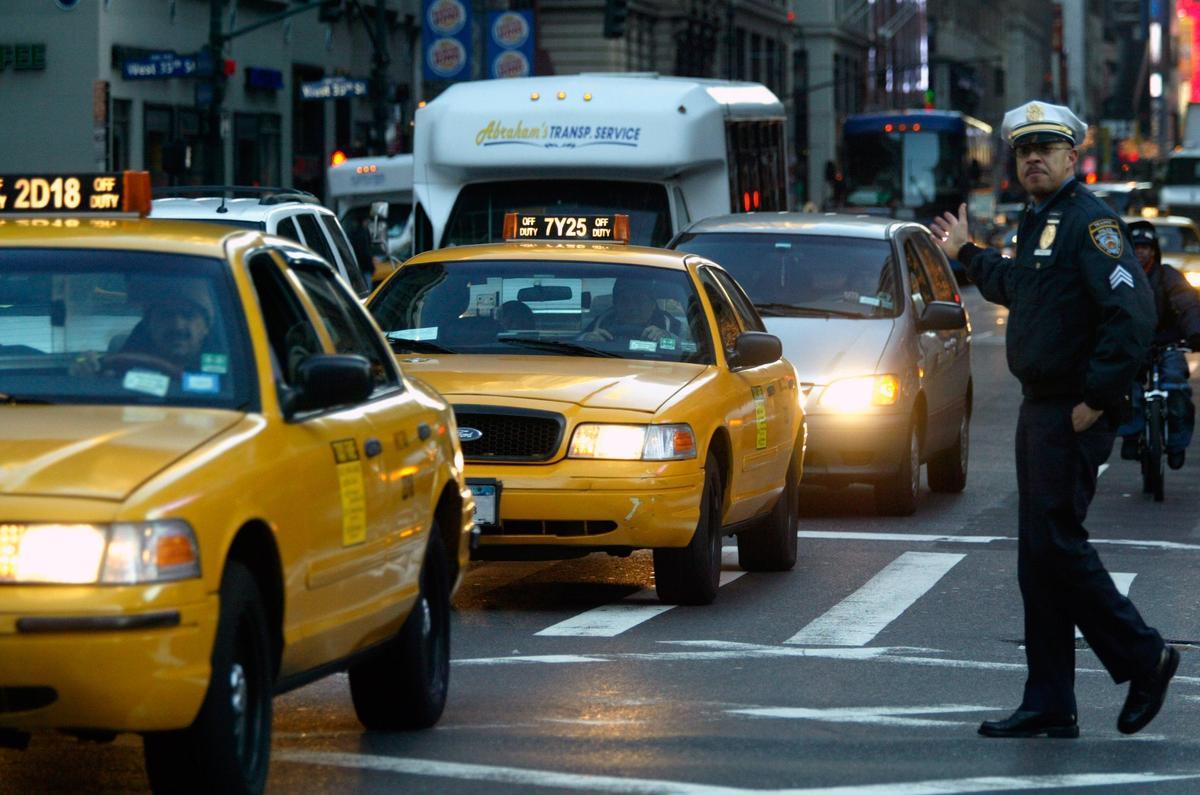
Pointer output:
x,y
1120,276
1107,237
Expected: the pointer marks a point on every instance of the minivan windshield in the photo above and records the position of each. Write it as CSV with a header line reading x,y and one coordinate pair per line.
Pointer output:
x,y
478,215
789,274
544,308
121,327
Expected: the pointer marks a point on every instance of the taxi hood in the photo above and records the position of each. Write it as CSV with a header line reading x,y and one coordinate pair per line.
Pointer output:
x,y
97,452
823,349
596,383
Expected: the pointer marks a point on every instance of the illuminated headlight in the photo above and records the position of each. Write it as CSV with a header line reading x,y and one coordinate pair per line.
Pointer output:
x,y
859,394
124,553
1193,278
633,442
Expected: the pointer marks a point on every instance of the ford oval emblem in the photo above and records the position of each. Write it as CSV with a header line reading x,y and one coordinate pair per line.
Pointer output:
x,y
469,434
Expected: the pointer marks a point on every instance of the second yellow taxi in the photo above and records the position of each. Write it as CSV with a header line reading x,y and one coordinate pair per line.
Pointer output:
x,y
608,398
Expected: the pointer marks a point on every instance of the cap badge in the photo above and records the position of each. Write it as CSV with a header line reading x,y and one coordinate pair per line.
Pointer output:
x,y
1034,112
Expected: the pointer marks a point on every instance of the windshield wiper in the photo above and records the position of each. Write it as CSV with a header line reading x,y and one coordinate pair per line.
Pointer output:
x,y
7,399
559,346
785,310
401,345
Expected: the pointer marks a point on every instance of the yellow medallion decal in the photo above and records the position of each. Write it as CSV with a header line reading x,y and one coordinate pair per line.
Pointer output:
x,y
760,417
352,491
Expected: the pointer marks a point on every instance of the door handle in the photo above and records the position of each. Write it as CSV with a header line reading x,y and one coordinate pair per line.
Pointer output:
x,y
372,447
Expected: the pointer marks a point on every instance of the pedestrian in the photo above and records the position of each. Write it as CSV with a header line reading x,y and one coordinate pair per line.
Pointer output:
x,y
1081,317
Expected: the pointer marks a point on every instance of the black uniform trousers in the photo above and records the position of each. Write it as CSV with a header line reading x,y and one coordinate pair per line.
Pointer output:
x,y
1063,583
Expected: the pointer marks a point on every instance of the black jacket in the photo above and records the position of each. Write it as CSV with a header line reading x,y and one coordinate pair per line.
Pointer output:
x,y
1177,304
1081,313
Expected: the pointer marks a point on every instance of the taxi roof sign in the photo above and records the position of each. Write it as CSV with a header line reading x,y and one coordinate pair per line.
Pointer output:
x,y
524,227
117,193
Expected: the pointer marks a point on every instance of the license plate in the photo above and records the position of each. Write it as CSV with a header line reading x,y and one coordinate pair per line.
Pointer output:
x,y
487,502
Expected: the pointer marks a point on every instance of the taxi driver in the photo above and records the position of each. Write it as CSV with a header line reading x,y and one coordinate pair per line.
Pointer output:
x,y
634,315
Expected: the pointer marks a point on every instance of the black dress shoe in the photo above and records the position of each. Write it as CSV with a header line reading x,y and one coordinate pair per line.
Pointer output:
x,y
1146,693
1025,723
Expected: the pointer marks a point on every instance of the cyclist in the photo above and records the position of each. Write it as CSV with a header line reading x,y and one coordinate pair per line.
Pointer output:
x,y
1178,308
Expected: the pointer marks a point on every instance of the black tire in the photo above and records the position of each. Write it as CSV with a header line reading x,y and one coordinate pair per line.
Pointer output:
x,y
897,496
404,686
1152,465
691,575
771,544
228,746
947,471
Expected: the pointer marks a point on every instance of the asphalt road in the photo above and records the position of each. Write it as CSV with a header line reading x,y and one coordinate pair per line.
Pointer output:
x,y
866,669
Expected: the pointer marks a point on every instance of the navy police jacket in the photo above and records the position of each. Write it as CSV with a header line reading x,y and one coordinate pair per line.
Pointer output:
x,y
1081,313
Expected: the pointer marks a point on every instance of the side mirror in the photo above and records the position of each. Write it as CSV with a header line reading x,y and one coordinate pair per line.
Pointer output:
x,y
942,316
324,381
378,222
756,348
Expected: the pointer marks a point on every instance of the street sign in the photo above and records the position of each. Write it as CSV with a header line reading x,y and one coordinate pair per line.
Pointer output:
x,y
160,66
333,88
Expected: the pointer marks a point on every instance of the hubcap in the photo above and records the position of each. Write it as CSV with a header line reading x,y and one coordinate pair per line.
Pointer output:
x,y
239,697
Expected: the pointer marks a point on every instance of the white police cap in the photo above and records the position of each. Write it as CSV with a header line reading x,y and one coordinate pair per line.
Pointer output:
x,y
1040,122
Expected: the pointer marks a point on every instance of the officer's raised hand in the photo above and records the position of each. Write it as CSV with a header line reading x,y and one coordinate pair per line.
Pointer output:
x,y
950,232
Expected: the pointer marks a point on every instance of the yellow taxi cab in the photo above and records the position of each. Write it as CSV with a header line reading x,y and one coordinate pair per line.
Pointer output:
x,y
608,397
215,485
1179,240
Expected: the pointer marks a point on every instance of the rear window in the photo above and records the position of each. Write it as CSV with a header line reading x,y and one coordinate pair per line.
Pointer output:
x,y
1183,171
787,274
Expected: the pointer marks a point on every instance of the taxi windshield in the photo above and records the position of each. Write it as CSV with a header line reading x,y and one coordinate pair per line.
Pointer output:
x,y
121,327
545,307
790,274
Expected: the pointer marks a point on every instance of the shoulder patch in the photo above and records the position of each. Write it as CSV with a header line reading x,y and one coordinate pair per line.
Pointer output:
x,y
1106,234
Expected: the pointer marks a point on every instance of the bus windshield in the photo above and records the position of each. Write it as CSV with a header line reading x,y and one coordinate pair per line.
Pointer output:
x,y
478,215
912,170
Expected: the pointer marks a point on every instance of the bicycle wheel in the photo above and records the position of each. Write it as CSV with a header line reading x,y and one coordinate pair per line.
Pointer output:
x,y
1152,452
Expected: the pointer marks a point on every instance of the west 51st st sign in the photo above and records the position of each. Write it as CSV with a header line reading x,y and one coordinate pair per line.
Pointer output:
x,y
22,57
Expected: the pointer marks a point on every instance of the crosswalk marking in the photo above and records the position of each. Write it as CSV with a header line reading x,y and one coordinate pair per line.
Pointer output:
x,y
1123,580
857,619
607,621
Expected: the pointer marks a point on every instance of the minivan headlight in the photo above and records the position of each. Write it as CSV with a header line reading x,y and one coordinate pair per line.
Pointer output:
x,y
633,442
859,394
122,553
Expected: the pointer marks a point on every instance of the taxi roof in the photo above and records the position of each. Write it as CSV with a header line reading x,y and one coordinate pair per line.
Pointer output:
x,y
136,234
560,251
1161,220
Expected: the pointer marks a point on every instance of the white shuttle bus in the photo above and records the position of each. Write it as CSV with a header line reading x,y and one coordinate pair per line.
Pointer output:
x,y
662,150
355,183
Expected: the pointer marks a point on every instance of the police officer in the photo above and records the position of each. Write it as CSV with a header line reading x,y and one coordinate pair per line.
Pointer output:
x,y
1081,316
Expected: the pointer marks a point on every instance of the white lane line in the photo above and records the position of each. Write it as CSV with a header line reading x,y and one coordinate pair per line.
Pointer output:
x,y
875,716
1103,468
645,786
610,620
1123,580
831,535
857,619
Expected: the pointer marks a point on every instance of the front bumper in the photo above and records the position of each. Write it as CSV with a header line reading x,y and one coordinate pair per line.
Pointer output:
x,y
854,448
101,667
592,504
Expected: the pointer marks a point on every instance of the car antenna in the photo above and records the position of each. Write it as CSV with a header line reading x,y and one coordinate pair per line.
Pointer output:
x,y
223,208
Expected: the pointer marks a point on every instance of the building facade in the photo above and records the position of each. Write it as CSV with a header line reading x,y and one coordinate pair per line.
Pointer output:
x,y
109,95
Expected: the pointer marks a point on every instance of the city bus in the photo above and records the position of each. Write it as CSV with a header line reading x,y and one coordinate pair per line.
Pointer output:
x,y
918,164
357,182
662,150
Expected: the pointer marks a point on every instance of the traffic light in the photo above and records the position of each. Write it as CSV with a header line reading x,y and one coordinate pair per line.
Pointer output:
x,y
615,13
331,10
929,99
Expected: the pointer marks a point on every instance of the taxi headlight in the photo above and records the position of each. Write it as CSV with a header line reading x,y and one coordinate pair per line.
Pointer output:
x,y
1193,278
123,553
633,442
859,394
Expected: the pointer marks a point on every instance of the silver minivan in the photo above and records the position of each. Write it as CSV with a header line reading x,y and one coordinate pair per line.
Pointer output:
x,y
871,317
